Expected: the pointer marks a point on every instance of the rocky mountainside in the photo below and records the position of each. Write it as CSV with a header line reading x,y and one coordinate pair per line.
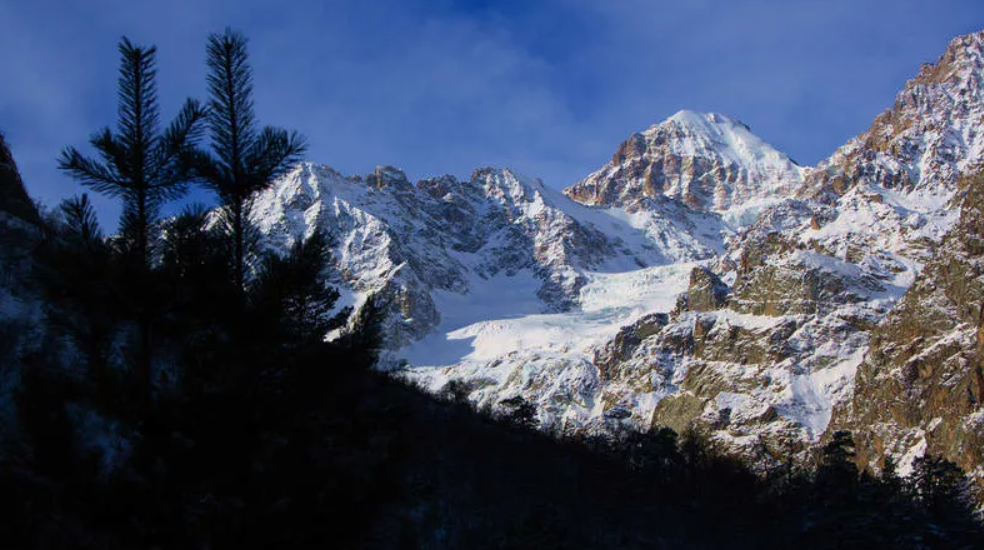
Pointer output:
x,y
920,387
411,244
832,262
20,308
927,140
14,200
881,206
700,280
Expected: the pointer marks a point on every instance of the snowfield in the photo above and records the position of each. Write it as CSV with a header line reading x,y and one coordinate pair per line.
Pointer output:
x,y
500,316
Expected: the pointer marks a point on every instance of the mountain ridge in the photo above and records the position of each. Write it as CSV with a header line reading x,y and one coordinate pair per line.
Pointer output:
x,y
700,280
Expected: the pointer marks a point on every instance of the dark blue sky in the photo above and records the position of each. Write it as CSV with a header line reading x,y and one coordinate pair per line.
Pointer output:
x,y
548,87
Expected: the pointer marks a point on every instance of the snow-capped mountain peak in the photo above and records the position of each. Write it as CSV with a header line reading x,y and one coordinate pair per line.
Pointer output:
x,y
726,136
708,161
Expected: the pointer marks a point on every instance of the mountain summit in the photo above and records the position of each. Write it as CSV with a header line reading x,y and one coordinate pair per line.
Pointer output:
x,y
708,161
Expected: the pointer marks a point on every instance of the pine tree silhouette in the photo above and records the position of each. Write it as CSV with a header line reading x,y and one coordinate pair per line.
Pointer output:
x,y
243,159
139,164
142,166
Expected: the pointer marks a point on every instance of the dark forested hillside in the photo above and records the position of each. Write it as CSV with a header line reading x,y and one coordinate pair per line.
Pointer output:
x,y
345,458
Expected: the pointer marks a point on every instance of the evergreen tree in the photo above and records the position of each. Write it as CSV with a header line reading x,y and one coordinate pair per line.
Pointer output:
x,y
139,164
520,412
940,484
834,514
836,460
292,290
944,492
243,159
144,167
890,475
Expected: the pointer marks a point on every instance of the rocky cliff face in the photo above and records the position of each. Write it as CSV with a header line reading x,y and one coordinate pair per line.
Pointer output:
x,y
874,214
921,385
700,280
833,260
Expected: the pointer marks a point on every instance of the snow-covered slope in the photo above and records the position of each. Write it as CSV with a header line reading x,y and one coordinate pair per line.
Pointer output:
x,y
700,280
547,359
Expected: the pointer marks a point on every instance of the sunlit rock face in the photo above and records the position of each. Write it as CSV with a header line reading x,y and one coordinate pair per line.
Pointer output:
x,y
403,242
921,385
932,135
